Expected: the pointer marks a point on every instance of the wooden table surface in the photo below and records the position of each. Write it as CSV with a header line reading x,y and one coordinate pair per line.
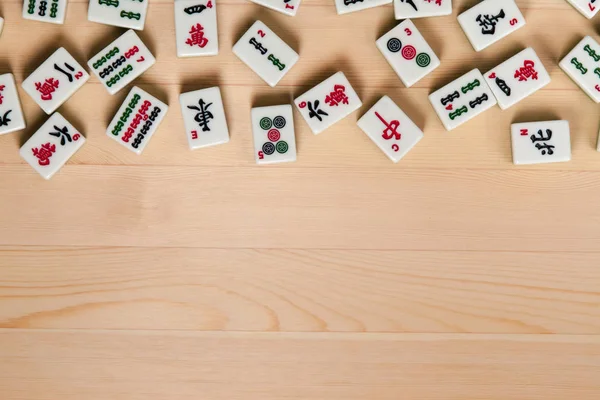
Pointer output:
x,y
198,275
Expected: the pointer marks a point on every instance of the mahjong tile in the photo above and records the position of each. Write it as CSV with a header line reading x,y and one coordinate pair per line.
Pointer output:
x,y
273,132
348,6
136,120
408,53
589,8
327,103
582,65
57,79
489,21
516,78
462,99
119,63
204,117
52,145
541,142
52,11
265,53
11,115
124,13
421,8
196,28
289,7
1,24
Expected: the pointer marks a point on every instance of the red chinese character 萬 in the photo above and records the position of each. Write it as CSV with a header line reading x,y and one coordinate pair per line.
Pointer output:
x,y
337,96
1,90
526,71
47,88
197,36
44,153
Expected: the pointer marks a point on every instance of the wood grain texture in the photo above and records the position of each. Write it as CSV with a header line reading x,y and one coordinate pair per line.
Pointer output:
x,y
198,275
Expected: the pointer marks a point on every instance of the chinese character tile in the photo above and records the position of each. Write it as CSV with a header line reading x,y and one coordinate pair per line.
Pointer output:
x,y
196,28
265,53
204,117
52,146
462,99
490,21
421,8
582,65
541,142
288,7
137,120
390,129
124,13
408,53
516,78
589,8
327,103
348,6
11,114
57,79
273,132
52,11
119,63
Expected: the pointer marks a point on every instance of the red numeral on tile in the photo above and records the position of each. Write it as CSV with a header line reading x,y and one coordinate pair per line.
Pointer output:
x,y
194,134
209,4
408,32
514,21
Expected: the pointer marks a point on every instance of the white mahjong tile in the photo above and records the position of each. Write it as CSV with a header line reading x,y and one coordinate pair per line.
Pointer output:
x,y
589,8
348,6
289,7
462,99
57,79
273,132
582,65
390,128
421,8
11,114
516,78
541,142
136,120
52,145
204,117
408,53
196,28
489,21
124,13
119,63
265,53
327,103
1,24
52,11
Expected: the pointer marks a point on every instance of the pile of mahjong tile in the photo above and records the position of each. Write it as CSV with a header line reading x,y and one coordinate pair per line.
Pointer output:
x,y
406,50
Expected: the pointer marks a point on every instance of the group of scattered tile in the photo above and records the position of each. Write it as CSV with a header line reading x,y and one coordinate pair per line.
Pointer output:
x,y
407,52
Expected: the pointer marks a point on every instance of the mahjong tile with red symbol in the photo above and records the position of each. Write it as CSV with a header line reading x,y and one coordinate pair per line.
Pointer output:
x,y
204,117
57,79
541,142
52,146
328,103
288,7
589,8
421,8
582,65
52,11
196,28
348,6
11,114
123,13
137,120
408,53
274,137
390,129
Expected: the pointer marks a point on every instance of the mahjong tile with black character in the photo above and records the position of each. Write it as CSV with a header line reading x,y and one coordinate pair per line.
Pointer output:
x,y
541,142
408,53
137,120
489,21
589,8
265,53
196,28
204,118
57,79
516,78
421,8
119,63
273,131
462,99
288,7
582,65
390,129
52,11
11,114
327,103
348,6
124,13
52,145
